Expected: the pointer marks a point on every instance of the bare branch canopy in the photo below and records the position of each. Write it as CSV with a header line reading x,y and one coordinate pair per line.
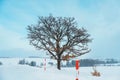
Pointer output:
x,y
59,36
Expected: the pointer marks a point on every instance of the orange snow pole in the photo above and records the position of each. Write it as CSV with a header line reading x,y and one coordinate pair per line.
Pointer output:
x,y
77,64
77,68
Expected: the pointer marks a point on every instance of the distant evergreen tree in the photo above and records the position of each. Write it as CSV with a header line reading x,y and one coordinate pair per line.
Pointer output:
x,y
22,61
33,63
0,63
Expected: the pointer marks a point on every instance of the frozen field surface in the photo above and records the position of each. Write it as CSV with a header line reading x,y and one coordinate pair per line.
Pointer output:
x,y
11,70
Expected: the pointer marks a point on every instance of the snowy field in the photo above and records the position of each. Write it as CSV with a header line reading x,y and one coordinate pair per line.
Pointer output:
x,y
11,70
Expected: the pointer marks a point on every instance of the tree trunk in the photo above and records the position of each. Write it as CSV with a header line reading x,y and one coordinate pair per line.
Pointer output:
x,y
58,64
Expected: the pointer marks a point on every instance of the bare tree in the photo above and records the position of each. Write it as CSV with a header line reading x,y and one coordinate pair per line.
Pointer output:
x,y
59,36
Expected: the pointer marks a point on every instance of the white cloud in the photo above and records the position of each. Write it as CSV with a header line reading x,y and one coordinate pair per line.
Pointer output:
x,y
13,44
12,40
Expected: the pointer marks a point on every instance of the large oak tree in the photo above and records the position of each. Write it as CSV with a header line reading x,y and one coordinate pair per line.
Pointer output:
x,y
60,36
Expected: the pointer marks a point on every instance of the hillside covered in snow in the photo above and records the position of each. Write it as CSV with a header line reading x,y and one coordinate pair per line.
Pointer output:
x,y
11,70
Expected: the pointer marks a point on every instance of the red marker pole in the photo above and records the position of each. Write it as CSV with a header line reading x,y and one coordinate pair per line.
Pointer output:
x,y
77,69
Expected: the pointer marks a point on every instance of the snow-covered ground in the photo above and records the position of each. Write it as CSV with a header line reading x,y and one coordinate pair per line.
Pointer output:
x,y
11,70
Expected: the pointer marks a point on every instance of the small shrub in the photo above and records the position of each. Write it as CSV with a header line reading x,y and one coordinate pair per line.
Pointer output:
x,y
50,63
33,63
41,64
0,63
27,63
22,61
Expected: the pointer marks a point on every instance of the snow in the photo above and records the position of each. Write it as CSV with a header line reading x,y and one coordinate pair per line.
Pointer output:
x,y
11,70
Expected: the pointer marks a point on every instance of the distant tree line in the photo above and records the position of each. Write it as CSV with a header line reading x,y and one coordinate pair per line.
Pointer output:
x,y
71,63
111,61
23,62
91,62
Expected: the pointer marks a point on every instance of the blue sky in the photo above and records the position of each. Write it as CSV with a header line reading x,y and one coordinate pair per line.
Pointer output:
x,y
100,17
